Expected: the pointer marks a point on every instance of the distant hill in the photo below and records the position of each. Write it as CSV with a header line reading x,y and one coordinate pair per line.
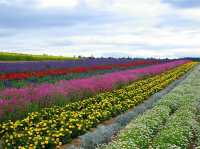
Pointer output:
x,y
193,58
6,56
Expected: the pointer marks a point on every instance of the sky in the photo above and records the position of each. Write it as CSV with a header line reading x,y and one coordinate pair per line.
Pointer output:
x,y
101,28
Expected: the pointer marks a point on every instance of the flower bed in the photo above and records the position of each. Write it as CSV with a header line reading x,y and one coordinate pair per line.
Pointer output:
x,y
58,125
150,130
55,78
44,95
178,131
65,71
7,67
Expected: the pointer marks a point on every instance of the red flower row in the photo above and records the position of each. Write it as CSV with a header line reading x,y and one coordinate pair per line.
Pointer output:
x,y
25,75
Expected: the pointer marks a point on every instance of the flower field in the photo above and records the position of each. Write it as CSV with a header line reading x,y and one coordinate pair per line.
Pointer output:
x,y
52,113
173,123
33,98
25,75
21,79
38,66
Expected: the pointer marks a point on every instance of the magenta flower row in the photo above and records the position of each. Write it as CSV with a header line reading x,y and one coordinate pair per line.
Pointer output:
x,y
46,94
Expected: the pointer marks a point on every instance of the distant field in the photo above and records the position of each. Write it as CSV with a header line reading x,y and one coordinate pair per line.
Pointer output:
x,y
4,56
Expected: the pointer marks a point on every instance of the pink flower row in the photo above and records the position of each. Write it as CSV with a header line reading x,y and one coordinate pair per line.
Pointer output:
x,y
46,94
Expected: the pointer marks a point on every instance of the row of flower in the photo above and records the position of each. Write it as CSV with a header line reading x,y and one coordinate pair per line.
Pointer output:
x,y
32,98
64,71
58,125
9,67
55,78
172,123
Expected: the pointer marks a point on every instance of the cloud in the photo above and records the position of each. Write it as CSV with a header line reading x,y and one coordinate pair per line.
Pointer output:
x,y
57,3
191,13
145,28
183,3
22,18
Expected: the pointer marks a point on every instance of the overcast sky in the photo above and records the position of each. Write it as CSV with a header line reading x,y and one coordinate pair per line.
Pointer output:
x,y
137,28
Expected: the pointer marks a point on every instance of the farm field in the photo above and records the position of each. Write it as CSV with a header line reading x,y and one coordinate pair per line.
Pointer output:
x,y
6,56
99,74
173,122
49,104
66,70
33,98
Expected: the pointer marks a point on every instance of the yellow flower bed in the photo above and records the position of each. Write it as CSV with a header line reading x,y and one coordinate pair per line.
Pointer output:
x,y
55,126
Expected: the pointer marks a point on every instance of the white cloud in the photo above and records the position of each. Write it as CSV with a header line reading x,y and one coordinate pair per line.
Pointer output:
x,y
143,12
130,7
5,2
142,8
153,37
57,3
132,27
191,13
99,4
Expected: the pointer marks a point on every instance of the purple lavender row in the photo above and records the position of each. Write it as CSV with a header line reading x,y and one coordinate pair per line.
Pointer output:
x,y
44,65
47,94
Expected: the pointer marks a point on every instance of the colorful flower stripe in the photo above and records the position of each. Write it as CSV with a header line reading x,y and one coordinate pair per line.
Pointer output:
x,y
170,123
58,125
64,91
55,78
64,71
46,65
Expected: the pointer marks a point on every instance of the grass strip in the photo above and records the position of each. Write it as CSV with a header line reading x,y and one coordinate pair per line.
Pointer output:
x,y
5,56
